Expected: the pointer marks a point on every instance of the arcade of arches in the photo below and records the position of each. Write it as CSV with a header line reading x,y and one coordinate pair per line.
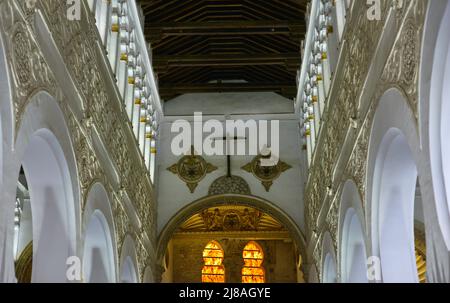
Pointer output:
x,y
91,98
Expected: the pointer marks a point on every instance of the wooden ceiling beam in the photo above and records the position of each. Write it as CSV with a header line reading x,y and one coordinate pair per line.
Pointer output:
x,y
287,59
155,31
179,89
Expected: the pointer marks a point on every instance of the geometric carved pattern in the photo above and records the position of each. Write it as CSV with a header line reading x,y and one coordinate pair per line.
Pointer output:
x,y
342,113
99,109
229,185
350,113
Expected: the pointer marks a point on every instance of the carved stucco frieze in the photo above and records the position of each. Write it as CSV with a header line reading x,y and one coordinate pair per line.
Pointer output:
x,y
317,256
124,228
144,260
357,164
29,70
332,221
122,223
78,41
30,74
402,67
341,113
89,168
401,71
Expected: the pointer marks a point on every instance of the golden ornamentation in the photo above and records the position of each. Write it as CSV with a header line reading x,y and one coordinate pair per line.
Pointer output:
x,y
192,169
266,174
182,222
230,218
421,254
24,265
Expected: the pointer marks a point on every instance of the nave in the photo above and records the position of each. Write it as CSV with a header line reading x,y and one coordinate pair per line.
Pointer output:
x,y
122,123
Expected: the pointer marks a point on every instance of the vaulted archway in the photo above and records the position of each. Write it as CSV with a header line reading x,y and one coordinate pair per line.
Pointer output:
x,y
235,220
392,183
128,262
99,251
44,168
352,244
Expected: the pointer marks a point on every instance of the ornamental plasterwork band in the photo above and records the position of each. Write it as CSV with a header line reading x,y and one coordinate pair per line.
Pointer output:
x,y
77,42
401,71
30,73
339,113
266,174
192,169
231,220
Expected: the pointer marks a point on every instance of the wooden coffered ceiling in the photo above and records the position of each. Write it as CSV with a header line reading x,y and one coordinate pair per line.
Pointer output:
x,y
225,45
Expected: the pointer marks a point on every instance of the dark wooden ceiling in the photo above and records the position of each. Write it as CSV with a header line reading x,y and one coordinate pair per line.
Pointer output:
x,y
225,45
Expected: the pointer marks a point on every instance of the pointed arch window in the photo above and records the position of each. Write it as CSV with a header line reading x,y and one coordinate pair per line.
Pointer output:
x,y
253,271
213,271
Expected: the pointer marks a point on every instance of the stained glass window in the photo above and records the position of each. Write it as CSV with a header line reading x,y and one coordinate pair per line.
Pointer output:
x,y
253,271
213,271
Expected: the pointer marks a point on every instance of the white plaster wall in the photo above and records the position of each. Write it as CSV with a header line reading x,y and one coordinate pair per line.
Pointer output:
x,y
353,256
98,255
228,103
435,48
6,134
392,106
329,266
286,192
42,121
329,270
128,262
99,242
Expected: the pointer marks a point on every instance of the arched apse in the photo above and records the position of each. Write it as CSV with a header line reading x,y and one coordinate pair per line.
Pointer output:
x,y
352,239
392,179
229,199
43,148
128,262
329,268
99,257
435,108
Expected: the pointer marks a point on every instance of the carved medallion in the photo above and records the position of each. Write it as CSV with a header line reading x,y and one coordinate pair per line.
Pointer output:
x,y
266,174
191,169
